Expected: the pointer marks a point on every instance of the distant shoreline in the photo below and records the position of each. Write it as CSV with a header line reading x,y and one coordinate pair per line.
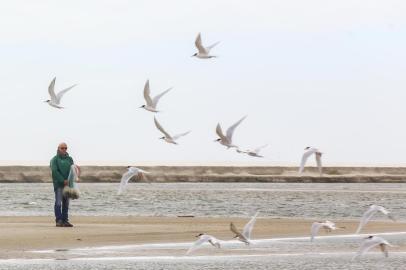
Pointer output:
x,y
271,174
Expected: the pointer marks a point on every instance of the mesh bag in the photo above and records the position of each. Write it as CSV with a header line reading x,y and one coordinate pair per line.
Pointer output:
x,y
71,191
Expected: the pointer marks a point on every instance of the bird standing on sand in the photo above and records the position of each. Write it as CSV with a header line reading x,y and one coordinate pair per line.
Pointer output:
x,y
254,152
152,102
203,52
307,154
371,242
316,226
203,238
227,140
168,138
130,173
55,100
372,210
245,236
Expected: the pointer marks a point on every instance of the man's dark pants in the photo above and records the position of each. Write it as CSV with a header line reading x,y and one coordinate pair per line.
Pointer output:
x,y
61,206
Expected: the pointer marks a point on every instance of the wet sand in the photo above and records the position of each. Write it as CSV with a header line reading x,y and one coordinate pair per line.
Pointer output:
x,y
19,235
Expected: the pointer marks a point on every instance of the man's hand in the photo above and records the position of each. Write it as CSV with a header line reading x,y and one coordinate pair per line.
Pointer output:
x,y
65,182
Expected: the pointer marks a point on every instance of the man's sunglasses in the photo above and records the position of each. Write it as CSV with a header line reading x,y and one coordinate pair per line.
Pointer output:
x,y
63,148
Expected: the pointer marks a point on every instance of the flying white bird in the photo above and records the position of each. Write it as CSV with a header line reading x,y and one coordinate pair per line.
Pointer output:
x,y
371,242
203,238
130,173
372,210
55,100
307,154
254,152
245,236
152,102
316,226
168,138
203,52
227,140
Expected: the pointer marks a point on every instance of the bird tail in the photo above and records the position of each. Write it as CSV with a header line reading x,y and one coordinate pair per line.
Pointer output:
x,y
213,45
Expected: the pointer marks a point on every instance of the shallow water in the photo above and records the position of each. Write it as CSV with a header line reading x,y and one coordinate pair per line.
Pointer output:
x,y
327,252
310,200
308,262
333,201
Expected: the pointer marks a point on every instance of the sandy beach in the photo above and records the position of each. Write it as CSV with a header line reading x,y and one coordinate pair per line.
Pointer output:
x,y
20,235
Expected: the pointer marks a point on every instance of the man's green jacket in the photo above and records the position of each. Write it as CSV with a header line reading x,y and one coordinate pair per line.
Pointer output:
x,y
60,167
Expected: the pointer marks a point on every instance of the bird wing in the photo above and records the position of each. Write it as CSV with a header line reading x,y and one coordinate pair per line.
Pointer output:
x,y
158,97
365,219
62,92
140,170
330,225
208,48
124,180
389,215
203,239
51,90
214,242
231,129
219,132
249,226
234,229
305,156
315,229
384,211
161,129
199,46
147,94
258,149
366,245
318,161
180,135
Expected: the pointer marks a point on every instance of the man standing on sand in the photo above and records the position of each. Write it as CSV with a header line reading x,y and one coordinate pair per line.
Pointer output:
x,y
60,167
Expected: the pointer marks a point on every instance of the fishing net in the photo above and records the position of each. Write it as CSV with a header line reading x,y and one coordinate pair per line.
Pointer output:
x,y
71,191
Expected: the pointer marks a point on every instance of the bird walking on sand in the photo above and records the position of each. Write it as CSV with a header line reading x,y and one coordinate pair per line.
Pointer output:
x,y
371,242
204,238
309,151
152,103
55,100
130,173
372,210
227,140
168,138
203,52
245,235
254,152
327,225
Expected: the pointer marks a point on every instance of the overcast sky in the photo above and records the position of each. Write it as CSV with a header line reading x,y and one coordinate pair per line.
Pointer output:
x,y
329,74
